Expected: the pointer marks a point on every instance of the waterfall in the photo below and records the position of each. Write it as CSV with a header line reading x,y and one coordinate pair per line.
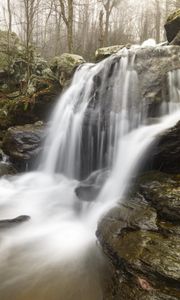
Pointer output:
x,y
98,135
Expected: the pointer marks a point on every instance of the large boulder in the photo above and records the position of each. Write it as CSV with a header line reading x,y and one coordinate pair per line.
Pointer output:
x,y
105,52
172,25
23,144
141,237
63,66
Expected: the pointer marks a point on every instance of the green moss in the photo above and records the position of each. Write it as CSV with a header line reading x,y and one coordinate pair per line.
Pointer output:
x,y
4,59
173,16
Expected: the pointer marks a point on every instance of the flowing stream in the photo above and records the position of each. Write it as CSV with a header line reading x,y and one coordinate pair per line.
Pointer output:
x,y
98,135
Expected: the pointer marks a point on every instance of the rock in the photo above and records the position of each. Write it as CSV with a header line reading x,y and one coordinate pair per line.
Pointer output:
x,y
172,25
10,223
176,40
15,43
7,169
87,192
64,66
163,191
152,66
23,144
39,65
38,84
103,53
141,238
165,153
12,60
136,213
89,188
29,109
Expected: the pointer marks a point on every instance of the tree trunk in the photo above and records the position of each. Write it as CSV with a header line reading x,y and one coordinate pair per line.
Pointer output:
x,y
9,35
101,31
70,26
158,22
106,37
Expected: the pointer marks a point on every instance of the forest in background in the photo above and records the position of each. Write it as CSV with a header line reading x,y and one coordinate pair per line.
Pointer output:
x,y
82,26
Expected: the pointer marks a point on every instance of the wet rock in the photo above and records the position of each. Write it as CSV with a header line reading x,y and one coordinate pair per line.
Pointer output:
x,y
87,192
23,144
10,223
64,66
103,53
163,191
152,65
129,288
89,188
165,154
172,25
141,238
7,169
136,213
176,40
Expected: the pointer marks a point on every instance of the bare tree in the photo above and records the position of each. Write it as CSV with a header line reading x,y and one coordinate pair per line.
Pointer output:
x,y
157,21
101,30
67,11
30,10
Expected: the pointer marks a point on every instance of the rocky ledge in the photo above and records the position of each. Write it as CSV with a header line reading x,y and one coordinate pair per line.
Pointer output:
x,y
141,237
23,144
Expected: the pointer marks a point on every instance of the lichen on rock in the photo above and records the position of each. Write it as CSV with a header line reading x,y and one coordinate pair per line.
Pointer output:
x,y
63,66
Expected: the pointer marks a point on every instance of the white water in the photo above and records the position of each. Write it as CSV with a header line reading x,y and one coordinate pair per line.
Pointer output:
x,y
54,256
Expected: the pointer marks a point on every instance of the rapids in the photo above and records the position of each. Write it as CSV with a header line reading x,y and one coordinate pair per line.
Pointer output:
x,y
55,255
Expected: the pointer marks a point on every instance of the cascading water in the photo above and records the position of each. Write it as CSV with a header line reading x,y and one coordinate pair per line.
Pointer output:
x,y
98,127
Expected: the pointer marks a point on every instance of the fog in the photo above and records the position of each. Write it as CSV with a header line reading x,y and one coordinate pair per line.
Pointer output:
x,y
81,26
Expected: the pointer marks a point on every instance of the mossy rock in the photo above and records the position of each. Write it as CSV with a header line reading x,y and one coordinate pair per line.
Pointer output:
x,y
172,25
29,109
4,59
64,66
103,53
